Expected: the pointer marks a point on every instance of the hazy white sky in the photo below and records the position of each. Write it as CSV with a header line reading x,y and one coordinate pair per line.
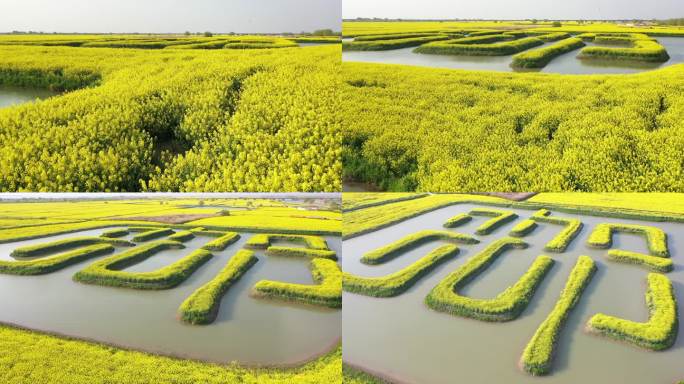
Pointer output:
x,y
244,16
514,9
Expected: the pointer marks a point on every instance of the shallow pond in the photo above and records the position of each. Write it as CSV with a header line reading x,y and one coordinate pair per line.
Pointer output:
x,y
566,63
247,330
401,338
17,95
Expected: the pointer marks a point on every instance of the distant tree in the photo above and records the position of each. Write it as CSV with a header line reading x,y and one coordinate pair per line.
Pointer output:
x,y
323,32
208,34
187,33
534,21
557,24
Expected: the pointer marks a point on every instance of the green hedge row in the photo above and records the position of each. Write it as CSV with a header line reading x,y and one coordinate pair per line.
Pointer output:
x,y
202,306
384,45
394,36
328,291
263,240
392,250
182,236
301,252
494,49
499,218
457,220
654,263
656,238
114,233
539,352
523,228
539,58
60,245
153,234
561,242
108,272
221,243
55,263
659,332
642,49
506,306
398,282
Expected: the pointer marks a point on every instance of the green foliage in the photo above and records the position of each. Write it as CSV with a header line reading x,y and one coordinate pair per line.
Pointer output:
x,y
398,282
656,238
172,120
538,356
300,252
394,249
659,332
654,263
523,228
182,236
114,233
493,49
54,263
202,306
60,245
393,36
328,291
506,306
263,241
499,218
538,58
387,44
561,242
221,243
153,234
108,271
457,220
643,48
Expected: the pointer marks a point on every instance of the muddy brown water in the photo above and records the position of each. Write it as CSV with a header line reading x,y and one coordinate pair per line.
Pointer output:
x,y
247,330
402,339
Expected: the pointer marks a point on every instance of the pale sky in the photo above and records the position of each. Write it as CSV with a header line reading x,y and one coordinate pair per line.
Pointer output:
x,y
157,16
514,9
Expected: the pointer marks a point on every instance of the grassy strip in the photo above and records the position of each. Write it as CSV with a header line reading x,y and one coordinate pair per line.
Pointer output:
x,y
539,352
398,282
499,218
114,233
182,236
654,263
483,39
523,228
301,252
109,272
602,237
642,48
539,58
384,45
202,306
51,264
221,243
263,241
38,357
328,291
60,245
561,242
207,232
508,305
393,36
392,250
659,332
494,49
359,200
153,234
457,220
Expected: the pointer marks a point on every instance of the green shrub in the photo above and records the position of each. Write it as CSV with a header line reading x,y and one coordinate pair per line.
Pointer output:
x,y
506,306
642,48
561,242
393,36
207,232
152,234
383,45
392,250
182,236
328,291
539,352
54,263
113,233
202,306
483,39
109,272
300,252
398,282
539,58
602,237
659,332
221,243
60,245
493,49
263,240
654,263
457,220
499,218
523,228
